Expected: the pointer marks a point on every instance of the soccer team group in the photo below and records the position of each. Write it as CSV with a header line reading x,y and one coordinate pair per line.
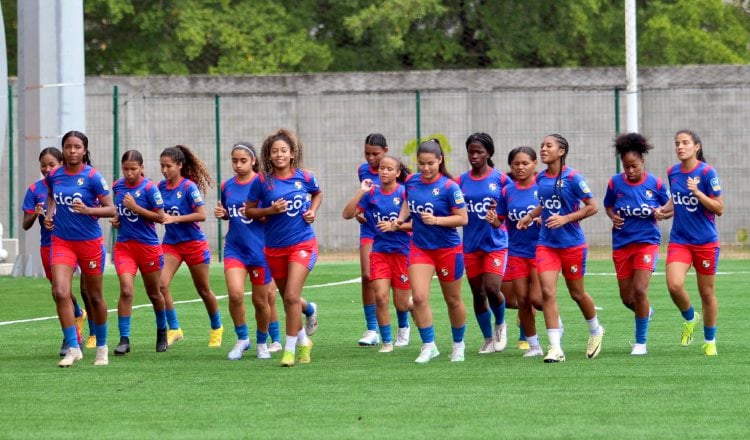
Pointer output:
x,y
520,231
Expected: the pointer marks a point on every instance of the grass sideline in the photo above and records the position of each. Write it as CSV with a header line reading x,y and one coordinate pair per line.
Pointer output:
x,y
351,392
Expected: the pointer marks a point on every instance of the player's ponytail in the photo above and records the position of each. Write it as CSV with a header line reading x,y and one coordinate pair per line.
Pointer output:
x,y
432,146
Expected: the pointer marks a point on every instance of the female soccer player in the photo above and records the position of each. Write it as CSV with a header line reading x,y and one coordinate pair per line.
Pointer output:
x,y
375,148
139,206
562,245
185,177
437,208
630,201
34,207
289,198
485,247
243,253
693,240
381,205
77,197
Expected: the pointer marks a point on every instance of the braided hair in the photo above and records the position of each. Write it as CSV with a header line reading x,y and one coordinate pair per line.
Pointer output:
x,y
484,140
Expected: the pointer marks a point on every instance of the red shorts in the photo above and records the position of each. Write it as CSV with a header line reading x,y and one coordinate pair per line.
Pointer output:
x,y
44,251
394,267
571,261
191,252
480,262
635,256
304,253
364,241
259,275
130,256
704,257
448,262
519,267
88,254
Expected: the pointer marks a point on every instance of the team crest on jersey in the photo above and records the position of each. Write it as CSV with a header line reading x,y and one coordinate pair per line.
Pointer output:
x,y
574,268
396,201
706,264
647,258
535,195
179,194
715,184
444,272
560,183
303,254
79,182
298,185
493,187
92,264
458,197
649,194
435,192
404,278
584,187
137,193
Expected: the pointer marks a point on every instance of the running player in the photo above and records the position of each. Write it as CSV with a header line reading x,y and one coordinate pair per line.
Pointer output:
x,y
185,178
437,208
693,240
630,201
77,197
562,245
139,205
289,198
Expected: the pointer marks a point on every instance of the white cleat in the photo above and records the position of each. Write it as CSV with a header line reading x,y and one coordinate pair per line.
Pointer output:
x,y
535,351
457,354
500,337
554,355
427,352
239,349
263,352
386,348
102,356
639,350
488,346
402,337
311,322
369,339
71,356
275,346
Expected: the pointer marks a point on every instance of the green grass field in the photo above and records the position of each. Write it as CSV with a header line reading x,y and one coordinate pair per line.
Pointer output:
x,y
192,391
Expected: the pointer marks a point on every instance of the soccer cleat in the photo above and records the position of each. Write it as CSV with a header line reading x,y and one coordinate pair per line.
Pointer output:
x,y
386,348
369,339
123,346
74,354
311,322
522,344
427,352
594,346
688,327
240,347
554,355
91,341
500,337
64,348
214,337
709,349
535,351
174,336
161,340
304,352
287,359
102,356
274,347
457,354
402,337
639,350
263,352
487,347
80,320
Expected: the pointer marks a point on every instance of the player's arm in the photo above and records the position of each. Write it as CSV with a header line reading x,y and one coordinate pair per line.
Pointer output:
x,y
198,215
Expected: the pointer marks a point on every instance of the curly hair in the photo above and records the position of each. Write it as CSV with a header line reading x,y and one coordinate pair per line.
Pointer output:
x,y
295,147
192,167
631,143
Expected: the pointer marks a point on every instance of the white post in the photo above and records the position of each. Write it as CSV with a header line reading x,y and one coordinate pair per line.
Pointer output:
x,y
631,67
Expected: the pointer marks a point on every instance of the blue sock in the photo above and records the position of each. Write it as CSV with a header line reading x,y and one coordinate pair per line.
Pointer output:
x,y
709,333
521,333
77,310
242,332
427,334
71,336
161,319
403,319
485,323
174,324
689,314
641,330
261,337
370,318
123,324
385,334
499,312
458,333
274,332
92,326
101,335
309,310
215,320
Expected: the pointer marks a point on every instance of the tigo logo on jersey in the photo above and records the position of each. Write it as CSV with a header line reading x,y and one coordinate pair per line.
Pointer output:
x,y
79,182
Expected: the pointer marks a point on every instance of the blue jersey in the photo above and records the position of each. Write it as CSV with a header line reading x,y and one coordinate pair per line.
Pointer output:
x,y
635,203
87,186
565,199
515,202
379,206
365,172
440,197
181,199
245,235
286,228
693,223
36,194
132,225
479,193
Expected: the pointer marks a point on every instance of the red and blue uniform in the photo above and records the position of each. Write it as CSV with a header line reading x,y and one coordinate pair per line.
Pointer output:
x,y
37,194
137,245
186,241
514,203
244,242
367,231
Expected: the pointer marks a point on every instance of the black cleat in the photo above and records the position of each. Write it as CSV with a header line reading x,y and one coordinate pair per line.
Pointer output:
x,y
161,340
123,346
64,348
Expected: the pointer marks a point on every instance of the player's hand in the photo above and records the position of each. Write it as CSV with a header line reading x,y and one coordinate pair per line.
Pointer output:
x,y
129,201
278,206
367,185
49,222
39,209
309,216
557,221
80,207
617,221
170,219
220,212
115,221
429,219
360,217
692,185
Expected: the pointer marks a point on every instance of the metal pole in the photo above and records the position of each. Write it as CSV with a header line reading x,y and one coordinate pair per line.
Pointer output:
x,y
631,66
115,149
617,124
217,115
419,117
11,165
